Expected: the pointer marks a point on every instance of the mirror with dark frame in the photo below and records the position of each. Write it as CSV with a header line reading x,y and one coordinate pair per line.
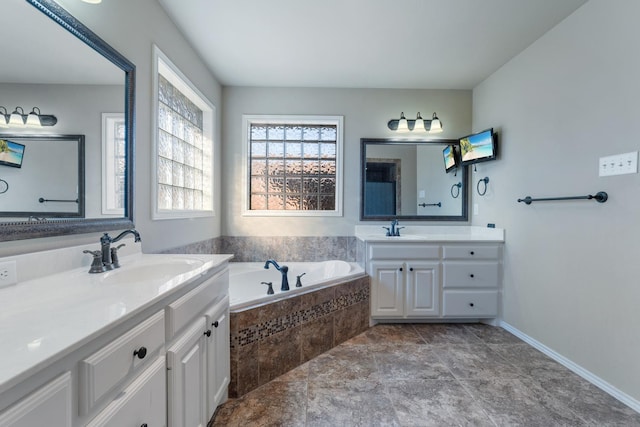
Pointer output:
x,y
71,73
407,180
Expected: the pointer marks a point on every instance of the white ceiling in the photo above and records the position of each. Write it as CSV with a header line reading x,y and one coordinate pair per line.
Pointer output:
x,y
35,49
430,44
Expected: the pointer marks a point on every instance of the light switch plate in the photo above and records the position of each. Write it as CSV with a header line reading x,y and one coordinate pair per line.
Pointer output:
x,y
618,164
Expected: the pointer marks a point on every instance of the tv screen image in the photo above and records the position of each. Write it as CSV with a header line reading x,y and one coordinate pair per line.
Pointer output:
x,y
11,153
478,147
449,155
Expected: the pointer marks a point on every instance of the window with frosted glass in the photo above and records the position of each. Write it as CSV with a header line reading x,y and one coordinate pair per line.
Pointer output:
x,y
182,158
292,167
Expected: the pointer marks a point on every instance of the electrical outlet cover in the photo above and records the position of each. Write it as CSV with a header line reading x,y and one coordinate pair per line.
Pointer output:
x,y
8,273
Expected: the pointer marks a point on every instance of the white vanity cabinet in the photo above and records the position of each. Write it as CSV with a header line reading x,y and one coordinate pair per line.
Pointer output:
x,y
186,378
405,280
142,403
471,280
149,354
198,359
435,277
218,354
50,405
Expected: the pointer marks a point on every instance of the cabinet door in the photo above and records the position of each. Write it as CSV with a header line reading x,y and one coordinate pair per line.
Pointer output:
x,y
387,289
143,403
48,406
423,290
186,381
218,353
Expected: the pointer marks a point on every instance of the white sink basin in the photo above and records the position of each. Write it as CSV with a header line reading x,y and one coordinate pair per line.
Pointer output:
x,y
151,270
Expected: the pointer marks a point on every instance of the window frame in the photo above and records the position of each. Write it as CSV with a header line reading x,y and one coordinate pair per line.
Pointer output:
x,y
108,169
291,119
163,65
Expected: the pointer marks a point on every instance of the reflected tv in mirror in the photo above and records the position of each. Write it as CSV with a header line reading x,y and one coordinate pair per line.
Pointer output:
x,y
450,157
478,147
11,153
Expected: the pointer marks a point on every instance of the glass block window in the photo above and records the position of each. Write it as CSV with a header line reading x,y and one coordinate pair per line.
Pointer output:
x,y
184,146
294,165
113,163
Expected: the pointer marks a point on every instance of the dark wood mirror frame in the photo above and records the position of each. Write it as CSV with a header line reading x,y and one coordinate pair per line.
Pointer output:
x,y
56,227
462,172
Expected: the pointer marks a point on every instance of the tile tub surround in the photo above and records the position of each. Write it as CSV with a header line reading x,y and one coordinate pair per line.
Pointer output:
x,y
271,339
427,375
291,248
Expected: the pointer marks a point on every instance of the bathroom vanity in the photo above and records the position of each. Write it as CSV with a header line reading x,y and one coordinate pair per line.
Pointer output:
x,y
433,273
145,344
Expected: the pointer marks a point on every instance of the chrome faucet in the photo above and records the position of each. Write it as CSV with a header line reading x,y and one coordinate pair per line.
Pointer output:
x,y
105,246
283,270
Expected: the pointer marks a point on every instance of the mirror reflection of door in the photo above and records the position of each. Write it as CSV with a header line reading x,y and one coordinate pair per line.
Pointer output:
x,y
382,187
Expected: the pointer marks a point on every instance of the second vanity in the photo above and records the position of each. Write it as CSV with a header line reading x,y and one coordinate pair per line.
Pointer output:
x,y
434,273
146,344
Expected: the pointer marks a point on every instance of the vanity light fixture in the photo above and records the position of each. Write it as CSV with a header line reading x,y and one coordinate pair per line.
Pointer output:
x,y
16,118
33,119
4,122
19,118
403,124
418,125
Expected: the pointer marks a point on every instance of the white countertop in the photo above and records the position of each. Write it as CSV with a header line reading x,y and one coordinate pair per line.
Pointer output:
x,y
43,319
427,233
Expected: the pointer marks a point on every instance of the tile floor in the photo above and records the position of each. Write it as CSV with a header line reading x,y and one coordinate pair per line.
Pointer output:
x,y
428,375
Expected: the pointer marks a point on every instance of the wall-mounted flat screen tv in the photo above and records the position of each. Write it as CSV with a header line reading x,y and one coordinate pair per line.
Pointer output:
x,y
11,153
478,147
450,158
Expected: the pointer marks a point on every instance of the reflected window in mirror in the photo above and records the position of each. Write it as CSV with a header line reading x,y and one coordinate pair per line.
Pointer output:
x,y
183,146
294,165
113,163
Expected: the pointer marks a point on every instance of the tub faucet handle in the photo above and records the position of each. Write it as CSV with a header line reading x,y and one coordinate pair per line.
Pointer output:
x,y
270,289
298,282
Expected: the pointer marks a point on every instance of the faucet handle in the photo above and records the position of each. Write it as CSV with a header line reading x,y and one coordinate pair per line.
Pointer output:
x,y
96,264
298,282
398,231
115,262
388,230
269,284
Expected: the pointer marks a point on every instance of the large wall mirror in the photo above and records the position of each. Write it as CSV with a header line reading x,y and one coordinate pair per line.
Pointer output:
x,y
407,180
60,66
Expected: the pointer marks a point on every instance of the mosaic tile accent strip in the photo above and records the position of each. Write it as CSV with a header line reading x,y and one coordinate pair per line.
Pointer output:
x,y
273,326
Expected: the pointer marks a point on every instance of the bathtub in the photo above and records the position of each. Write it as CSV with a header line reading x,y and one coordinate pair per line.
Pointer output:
x,y
246,289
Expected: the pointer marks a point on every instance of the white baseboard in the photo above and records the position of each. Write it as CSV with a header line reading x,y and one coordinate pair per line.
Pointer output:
x,y
593,379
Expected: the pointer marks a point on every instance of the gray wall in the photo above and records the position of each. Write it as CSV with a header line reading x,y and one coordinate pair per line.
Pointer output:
x,y
571,268
78,109
366,113
132,27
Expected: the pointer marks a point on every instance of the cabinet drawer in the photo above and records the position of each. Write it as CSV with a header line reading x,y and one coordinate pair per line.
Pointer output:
x,y
471,274
104,369
144,402
50,405
471,252
181,312
403,251
470,303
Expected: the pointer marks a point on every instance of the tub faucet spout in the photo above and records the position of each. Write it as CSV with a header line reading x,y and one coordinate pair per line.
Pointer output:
x,y
283,270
